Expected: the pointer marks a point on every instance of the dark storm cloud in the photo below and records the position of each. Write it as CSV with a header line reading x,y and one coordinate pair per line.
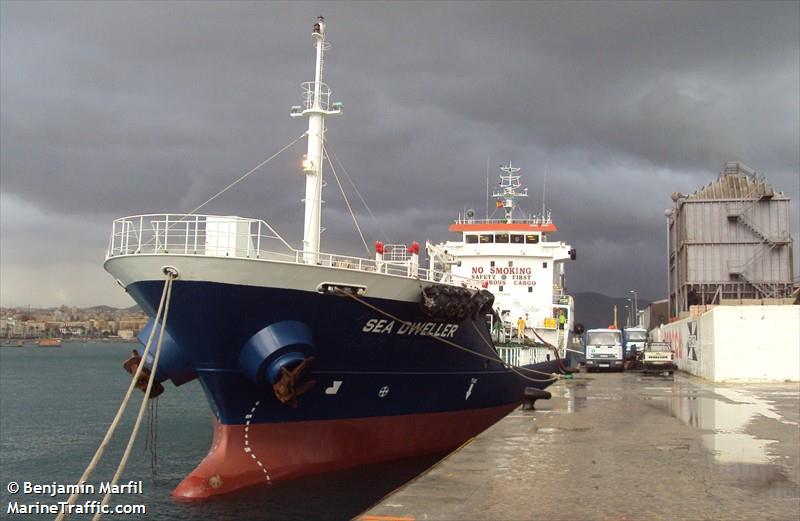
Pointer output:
x,y
119,108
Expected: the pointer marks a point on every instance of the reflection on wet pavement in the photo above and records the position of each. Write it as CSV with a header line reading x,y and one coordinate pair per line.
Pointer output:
x,y
576,395
725,412
624,446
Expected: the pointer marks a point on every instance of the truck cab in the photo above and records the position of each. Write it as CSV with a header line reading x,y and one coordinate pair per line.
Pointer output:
x,y
603,349
634,341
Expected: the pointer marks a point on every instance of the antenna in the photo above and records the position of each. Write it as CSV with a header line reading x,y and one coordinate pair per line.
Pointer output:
x,y
544,189
507,189
487,187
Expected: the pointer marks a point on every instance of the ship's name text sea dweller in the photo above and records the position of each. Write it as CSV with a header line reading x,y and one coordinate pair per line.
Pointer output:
x,y
387,327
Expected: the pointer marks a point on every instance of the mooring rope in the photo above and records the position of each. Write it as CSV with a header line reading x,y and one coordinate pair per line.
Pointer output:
x,y
110,432
453,344
143,407
554,348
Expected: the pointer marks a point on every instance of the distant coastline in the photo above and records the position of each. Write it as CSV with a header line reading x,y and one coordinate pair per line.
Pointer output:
x,y
92,324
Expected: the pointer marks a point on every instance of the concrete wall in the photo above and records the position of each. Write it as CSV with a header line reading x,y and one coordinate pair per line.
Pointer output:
x,y
759,343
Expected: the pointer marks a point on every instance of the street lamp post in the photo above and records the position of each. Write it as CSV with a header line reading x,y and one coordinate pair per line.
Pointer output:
x,y
635,306
629,305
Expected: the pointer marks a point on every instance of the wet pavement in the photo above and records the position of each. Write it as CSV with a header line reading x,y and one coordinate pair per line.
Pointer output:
x,y
623,446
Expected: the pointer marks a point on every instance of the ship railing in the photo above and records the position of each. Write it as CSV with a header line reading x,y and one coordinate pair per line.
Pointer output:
x,y
309,90
245,238
509,355
403,269
535,220
188,234
521,355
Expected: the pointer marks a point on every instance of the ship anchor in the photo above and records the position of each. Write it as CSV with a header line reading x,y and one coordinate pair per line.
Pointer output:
x,y
289,388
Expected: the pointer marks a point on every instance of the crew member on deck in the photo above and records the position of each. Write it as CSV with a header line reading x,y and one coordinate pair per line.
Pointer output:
x,y
521,328
562,319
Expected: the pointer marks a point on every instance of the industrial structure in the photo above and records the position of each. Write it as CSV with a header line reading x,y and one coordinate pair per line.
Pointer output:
x,y
729,240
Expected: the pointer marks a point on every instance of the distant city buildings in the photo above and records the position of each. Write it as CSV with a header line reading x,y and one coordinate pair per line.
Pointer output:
x,y
71,322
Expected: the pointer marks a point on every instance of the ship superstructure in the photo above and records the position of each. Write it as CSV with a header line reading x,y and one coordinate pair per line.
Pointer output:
x,y
514,259
310,361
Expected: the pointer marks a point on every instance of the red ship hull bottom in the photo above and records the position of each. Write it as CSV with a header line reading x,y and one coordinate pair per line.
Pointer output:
x,y
258,454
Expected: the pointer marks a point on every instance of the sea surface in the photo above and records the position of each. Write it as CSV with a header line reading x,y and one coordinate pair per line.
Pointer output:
x,y
55,407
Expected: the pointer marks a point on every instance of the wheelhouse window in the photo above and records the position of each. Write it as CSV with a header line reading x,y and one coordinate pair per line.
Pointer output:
x,y
499,288
510,264
517,238
486,237
471,239
532,238
501,237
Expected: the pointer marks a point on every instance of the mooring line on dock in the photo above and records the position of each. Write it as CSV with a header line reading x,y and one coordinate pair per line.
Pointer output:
x,y
453,344
555,349
163,306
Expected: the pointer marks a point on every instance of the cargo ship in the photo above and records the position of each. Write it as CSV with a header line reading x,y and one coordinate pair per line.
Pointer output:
x,y
310,361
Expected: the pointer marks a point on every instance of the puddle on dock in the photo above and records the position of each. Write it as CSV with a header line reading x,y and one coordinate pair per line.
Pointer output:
x,y
725,413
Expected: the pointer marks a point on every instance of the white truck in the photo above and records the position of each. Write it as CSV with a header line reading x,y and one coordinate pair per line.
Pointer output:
x,y
603,349
634,341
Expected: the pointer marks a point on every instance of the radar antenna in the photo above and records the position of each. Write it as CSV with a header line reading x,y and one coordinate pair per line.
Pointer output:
x,y
509,188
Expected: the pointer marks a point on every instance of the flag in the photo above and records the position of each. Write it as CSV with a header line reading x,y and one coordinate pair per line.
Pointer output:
x,y
499,203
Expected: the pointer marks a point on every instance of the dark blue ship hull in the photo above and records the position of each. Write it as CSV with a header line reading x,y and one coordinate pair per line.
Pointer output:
x,y
379,365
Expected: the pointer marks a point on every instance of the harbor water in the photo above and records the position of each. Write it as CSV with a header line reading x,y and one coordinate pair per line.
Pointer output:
x,y
55,407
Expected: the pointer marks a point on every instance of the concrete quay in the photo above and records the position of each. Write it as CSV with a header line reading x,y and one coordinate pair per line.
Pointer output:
x,y
623,446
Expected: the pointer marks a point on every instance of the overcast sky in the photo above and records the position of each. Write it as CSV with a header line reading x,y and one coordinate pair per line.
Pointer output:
x,y
113,109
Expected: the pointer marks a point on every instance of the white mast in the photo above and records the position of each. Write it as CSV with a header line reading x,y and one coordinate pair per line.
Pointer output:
x,y
316,105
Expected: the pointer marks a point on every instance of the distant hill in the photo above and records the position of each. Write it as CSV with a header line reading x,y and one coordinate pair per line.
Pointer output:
x,y
595,310
100,309
110,309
